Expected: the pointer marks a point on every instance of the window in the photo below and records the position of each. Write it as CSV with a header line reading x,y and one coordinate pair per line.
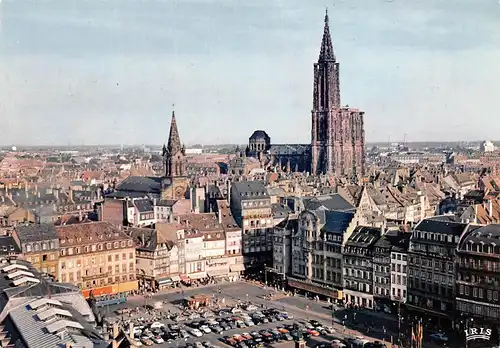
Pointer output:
x,y
28,248
36,247
44,246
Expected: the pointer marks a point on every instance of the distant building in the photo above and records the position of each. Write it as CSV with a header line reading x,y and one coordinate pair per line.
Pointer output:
x,y
487,146
194,152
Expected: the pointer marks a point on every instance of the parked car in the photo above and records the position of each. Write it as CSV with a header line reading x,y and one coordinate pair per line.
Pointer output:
x,y
196,333
439,337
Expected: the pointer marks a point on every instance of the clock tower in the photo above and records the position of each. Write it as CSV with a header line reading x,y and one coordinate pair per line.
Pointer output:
x,y
175,182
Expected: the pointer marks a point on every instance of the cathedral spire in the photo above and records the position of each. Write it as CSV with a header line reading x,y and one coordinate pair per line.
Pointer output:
x,y
326,52
174,141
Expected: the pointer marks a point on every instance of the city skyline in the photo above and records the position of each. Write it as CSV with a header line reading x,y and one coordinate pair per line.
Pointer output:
x,y
93,74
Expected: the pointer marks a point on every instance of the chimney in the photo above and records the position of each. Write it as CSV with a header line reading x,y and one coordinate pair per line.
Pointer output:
x,y
178,219
154,202
80,216
38,194
67,345
56,193
170,218
70,194
490,208
228,183
143,240
220,216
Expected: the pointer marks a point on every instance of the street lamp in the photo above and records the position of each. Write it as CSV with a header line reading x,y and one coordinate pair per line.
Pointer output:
x,y
468,322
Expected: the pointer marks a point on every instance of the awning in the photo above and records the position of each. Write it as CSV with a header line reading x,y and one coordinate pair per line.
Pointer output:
x,y
175,278
237,268
197,275
162,281
184,278
217,272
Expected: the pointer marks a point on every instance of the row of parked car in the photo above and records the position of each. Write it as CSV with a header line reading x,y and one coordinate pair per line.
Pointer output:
x,y
286,332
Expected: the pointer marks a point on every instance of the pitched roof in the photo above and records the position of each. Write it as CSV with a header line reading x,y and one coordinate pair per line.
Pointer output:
x,y
35,232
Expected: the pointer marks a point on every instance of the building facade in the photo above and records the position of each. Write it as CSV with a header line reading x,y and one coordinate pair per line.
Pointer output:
x,y
358,266
39,244
251,208
98,257
431,268
317,245
156,256
399,269
478,279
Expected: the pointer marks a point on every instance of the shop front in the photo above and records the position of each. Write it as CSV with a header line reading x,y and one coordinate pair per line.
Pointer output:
x,y
318,289
217,268
163,283
197,276
185,279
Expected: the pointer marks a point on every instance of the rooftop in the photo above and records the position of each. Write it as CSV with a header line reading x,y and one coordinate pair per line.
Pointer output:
x,y
35,232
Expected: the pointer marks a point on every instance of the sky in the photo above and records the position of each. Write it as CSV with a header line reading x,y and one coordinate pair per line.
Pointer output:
x,y
85,72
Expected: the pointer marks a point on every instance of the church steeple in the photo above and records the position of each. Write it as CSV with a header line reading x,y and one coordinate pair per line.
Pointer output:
x,y
174,141
326,53
174,153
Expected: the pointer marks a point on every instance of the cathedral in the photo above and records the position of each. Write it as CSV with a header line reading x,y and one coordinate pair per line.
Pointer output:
x,y
172,185
337,132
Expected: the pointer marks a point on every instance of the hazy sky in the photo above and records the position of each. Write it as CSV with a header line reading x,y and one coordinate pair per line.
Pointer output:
x,y
108,71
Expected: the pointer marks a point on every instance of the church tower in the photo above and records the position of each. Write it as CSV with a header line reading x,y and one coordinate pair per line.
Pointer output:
x,y
326,107
174,159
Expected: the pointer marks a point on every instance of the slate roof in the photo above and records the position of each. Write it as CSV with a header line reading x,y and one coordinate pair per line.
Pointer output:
x,y
279,211
364,236
259,134
289,149
248,190
489,234
442,224
166,202
35,232
8,246
330,202
336,221
144,205
394,240
141,184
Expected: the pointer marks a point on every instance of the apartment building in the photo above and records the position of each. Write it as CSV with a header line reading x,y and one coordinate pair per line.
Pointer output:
x,y
98,257
317,251
40,245
431,269
251,208
358,266
157,255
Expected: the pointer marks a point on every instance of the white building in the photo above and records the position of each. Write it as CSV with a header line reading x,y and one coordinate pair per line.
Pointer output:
x,y
487,146
399,272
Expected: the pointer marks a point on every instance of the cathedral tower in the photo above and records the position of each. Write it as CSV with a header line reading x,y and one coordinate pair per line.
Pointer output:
x,y
174,159
326,106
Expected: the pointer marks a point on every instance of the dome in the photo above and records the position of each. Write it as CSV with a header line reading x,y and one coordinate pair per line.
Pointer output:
x,y
259,134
